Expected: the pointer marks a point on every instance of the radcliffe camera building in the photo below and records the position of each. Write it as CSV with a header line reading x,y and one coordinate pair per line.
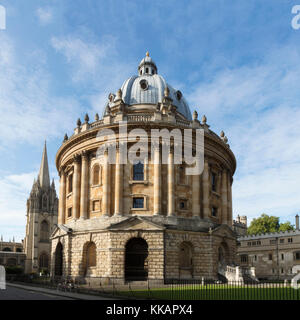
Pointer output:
x,y
147,220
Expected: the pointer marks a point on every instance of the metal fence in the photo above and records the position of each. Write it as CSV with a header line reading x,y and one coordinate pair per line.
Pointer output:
x,y
172,289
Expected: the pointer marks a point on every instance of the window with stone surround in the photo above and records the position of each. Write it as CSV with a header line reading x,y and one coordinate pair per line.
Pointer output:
x,y
138,203
183,204
96,175
96,205
213,182
290,240
244,258
69,212
70,183
43,261
138,172
297,255
270,256
214,211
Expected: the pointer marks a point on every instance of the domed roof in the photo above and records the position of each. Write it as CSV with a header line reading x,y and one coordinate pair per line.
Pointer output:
x,y
148,88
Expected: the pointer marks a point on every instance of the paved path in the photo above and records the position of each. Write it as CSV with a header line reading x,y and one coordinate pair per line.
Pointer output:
x,y
25,292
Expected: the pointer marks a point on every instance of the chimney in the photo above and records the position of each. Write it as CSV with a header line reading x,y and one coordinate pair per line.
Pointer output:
x,y
297,222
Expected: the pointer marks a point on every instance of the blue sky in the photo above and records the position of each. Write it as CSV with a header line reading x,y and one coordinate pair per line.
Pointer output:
x,y
237,62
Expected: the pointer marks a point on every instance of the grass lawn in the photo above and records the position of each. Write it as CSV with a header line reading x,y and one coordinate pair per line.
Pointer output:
x,y
217,292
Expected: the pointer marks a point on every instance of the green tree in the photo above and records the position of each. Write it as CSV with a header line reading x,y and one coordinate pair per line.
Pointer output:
x,y
286,226
266,224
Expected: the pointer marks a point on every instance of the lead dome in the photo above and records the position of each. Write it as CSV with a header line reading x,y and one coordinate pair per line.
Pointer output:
x,y
147,88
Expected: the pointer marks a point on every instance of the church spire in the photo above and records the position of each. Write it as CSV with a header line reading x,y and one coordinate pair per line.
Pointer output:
x,y
43,177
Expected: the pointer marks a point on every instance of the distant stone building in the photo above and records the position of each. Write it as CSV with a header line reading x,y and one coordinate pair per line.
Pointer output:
x,y
148,220
272,254
42,207
240,225
11,254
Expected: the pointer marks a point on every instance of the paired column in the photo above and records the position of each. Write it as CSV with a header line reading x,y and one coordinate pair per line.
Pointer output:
x,y
84,185
118,185
171,184
157,181
196,193
106,186
229,198
224,197
206,187
62,198
76,187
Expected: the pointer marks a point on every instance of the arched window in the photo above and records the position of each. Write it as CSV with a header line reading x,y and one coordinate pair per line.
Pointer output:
x,y
7,249
96,175
44,231
91,255
138,171
43,261
58,270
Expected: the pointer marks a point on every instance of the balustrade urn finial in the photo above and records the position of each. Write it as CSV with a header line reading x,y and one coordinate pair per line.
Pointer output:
x,y
66,138
97,117
78,122
195,115
86,118
222,134
119,94
166,91
204,119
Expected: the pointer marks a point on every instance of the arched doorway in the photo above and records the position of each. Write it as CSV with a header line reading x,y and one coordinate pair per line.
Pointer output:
x,y
186,260
58,271
136,262
89,259
223,257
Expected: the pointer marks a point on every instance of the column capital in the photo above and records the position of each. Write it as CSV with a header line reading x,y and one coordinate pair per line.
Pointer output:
x,y
85,155
76,158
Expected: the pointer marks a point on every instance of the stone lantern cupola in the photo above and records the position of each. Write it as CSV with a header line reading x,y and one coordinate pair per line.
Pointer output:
x,y
147,66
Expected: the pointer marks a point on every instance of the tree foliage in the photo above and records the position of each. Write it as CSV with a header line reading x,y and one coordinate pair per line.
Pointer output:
x,y
267,224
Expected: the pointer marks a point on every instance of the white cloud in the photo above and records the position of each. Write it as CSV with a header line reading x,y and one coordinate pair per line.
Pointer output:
x,y
45,15
258,108
29,112
15,190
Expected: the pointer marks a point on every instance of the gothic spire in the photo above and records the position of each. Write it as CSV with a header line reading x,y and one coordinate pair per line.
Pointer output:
x,y
43,177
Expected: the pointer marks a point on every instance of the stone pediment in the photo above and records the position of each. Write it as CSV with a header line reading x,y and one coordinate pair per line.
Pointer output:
x,y
136,223
60,230
224,231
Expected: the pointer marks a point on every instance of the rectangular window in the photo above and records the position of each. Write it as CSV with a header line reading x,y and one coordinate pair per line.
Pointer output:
x,y
96,205
282,256
183,204
297,255
272,241
69,212
214,211
244,258
282,271
270,256
290,240
138,171
138,203
281,240
254,243
213,182
258,243
249,244
255,258
70,182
